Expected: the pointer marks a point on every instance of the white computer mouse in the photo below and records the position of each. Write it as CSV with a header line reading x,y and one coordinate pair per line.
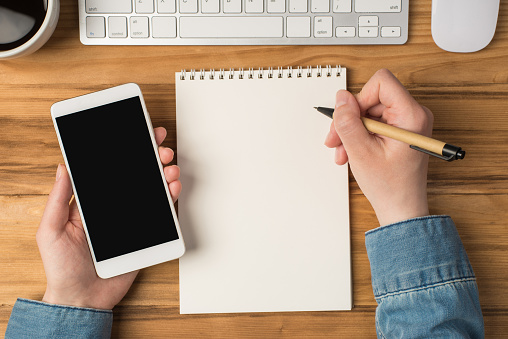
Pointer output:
x,y
464,25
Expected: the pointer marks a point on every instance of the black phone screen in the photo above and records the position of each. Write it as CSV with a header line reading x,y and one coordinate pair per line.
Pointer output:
x,y
117,178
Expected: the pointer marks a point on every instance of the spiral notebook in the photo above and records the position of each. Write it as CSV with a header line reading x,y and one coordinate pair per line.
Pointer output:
x,y
264,209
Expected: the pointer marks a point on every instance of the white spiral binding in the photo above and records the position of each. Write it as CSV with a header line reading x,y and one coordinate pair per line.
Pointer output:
x,y
260,73
280,72
299,72
270,73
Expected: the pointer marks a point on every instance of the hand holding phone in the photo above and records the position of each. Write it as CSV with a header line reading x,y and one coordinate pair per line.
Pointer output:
x,y
70,273
119,184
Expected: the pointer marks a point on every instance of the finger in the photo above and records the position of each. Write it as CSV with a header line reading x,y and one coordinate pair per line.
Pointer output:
x,y
56,213
376,111
175,188
332,139
383,88
74,216
160,134
340,155
166,155
356,139
429,122
172,173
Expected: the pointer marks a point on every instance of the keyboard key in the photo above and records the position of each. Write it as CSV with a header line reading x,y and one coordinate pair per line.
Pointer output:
x,y
108,6
367,32
166,6
95,27
231,27
320,6
163,27
276,6
341,6
298,6
323,26
210,6
117,27
144,6
390,32
232,6
254,6
382,6
345,32
139,27
368,21
188,6
298,27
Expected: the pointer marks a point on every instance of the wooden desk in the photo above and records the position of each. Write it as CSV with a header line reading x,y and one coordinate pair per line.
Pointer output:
x,y
468,94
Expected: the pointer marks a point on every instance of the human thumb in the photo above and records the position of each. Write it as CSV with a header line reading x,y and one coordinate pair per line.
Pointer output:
x,y
56,213
349,126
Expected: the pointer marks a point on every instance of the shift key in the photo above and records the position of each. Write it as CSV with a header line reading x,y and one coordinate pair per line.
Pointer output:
x,y
378,6
108,6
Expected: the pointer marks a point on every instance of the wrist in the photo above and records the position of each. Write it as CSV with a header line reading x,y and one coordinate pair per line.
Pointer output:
x,y
385,219
407,209
51,298
55,299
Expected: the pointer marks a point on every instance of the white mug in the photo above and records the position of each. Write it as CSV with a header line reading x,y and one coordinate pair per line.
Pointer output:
x,y
25,26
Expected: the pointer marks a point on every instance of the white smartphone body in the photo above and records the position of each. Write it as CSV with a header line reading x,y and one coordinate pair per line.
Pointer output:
x,y
109,148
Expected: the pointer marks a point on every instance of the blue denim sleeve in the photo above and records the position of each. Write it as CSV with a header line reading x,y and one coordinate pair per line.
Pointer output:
x,y
35,319
423,282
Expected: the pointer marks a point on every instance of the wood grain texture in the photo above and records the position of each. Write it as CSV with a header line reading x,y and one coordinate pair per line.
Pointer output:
x,y
468,94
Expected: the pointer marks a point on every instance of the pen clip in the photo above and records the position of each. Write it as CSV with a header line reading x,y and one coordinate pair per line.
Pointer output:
x,y
449,158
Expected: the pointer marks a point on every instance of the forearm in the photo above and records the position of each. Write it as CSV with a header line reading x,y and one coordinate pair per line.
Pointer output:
x,y
422,280
34,319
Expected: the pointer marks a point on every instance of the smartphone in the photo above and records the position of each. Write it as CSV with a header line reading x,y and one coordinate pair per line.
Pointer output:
x,y
109,148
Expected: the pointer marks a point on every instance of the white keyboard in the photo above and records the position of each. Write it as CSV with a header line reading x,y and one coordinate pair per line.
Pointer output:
x,y
243,22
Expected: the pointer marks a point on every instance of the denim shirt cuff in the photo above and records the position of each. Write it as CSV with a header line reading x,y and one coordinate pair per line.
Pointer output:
x,y
35,319
416,253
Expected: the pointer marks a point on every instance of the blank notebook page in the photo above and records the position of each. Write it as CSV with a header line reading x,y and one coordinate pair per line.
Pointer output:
x,y
264,209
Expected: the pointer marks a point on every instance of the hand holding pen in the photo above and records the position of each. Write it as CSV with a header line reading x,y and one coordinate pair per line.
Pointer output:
x,y
415,141
391,175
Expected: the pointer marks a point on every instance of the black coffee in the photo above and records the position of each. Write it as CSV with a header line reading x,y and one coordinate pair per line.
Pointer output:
x,y
20,21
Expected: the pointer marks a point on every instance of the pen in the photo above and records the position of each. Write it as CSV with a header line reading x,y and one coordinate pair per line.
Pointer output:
x,y
416,141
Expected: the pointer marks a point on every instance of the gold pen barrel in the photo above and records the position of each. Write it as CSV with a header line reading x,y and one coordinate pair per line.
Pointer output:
x,y
409,138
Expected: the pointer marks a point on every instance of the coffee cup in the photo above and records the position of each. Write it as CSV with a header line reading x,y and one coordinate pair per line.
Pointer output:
x,y
26,25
